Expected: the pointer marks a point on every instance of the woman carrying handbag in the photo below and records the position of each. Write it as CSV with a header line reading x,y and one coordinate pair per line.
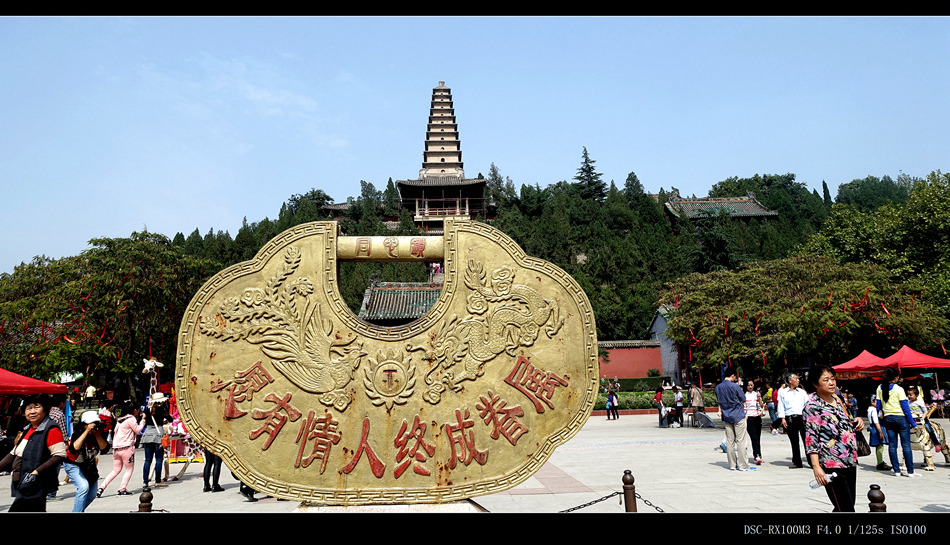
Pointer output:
x,y
152,437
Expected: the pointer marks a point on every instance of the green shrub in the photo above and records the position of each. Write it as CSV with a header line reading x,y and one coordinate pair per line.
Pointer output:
x,y
644,400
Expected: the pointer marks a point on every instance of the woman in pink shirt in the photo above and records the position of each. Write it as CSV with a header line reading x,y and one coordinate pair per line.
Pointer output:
x,y
123,448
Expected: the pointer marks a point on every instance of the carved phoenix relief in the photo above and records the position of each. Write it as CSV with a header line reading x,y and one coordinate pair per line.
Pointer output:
x,y
291,331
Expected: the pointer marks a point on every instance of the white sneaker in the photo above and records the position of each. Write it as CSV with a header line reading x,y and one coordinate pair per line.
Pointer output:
x,y
912,475
896,473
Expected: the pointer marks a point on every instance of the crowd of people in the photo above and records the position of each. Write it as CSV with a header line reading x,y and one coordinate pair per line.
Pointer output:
x,y
825,428
822,422
48,435
52,435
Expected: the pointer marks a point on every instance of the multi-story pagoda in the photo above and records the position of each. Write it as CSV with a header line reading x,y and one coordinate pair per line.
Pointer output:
x,y
442,190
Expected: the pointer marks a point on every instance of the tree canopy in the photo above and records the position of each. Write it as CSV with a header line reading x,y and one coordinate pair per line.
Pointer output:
x,y
101,312
769,313
912,240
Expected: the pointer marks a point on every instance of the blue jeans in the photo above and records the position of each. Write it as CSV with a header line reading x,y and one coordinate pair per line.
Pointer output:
x,y
85,492
153,450
898,427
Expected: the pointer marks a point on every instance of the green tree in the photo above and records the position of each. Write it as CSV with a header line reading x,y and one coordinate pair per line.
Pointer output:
x,y
715,247
872,192
194,244
102,312
797,310
826,195
391,202
245,243
589,181
498,191
911,240
632,188
264,231
801,213
303,208
32,310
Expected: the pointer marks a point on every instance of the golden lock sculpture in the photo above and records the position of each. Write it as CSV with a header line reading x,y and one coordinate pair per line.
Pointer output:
x,y
305,401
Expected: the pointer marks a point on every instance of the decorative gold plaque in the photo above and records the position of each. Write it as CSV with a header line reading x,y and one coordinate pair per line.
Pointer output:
x,y
304,401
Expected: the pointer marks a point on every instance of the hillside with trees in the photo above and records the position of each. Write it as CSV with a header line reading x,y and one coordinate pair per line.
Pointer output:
x,y
868,269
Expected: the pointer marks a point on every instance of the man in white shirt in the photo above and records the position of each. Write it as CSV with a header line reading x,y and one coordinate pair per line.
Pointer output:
x,y
791,401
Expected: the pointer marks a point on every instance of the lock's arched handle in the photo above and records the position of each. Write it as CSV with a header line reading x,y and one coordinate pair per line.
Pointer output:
x,y
390,248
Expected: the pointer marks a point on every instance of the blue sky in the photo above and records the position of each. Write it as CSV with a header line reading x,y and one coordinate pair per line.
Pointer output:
x,y
113,125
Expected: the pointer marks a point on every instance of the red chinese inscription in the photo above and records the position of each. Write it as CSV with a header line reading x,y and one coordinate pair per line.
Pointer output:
x,y
463,441
375,463
391,243
503,420
409,441
323,432
534,383
417,247
273,419
242,388
363,247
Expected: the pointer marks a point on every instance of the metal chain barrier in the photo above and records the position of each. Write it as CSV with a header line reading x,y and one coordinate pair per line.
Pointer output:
x,y
648,504
588,504
628,487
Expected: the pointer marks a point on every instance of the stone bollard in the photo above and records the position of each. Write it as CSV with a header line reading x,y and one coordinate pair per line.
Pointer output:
x,y
145,500
876,504
629,493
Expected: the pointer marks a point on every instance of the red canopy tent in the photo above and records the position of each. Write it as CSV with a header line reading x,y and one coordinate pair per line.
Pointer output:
x,y
869,365
908,358
14,384
866,364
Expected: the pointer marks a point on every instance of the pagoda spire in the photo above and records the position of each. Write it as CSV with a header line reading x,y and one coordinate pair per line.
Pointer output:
x,y
443,153
442,191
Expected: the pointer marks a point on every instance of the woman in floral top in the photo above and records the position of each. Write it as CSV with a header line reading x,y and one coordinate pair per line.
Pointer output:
x,y
829,439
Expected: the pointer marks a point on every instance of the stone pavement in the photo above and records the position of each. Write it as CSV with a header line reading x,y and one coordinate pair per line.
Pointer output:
x,y
683,470
679,470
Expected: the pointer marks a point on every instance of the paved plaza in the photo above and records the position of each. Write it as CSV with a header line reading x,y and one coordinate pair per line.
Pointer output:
x,y
679,470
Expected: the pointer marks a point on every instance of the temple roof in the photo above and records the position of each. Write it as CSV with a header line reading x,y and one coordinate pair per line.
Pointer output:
x,y
737,207
398,301
438,181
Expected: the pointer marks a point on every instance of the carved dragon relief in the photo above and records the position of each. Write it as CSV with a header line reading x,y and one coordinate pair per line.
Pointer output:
x,y
302,345
502,317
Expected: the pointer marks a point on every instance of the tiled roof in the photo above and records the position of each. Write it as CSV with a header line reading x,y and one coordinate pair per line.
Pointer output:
x,y
436,181
398,300
737,207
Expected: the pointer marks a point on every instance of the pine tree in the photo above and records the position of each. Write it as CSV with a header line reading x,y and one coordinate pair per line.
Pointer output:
x,y
391,203
589,181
